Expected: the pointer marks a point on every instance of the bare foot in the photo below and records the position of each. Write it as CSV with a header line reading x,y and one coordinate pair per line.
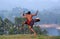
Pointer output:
x,y
35,34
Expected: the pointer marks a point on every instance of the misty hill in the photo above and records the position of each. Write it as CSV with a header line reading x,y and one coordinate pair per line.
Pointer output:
x,y
51,16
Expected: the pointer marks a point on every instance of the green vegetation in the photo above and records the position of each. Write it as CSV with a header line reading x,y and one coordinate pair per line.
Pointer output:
x,y
28,36
10,28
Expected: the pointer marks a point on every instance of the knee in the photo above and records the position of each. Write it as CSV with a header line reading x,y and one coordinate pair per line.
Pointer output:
x,y
29,27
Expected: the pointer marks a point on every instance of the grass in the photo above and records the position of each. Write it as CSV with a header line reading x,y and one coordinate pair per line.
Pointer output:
x,y
27,36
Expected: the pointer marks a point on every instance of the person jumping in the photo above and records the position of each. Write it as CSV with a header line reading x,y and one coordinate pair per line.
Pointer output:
x,y
30,21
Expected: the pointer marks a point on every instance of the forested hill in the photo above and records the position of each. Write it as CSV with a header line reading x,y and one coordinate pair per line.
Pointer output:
x,y
47,16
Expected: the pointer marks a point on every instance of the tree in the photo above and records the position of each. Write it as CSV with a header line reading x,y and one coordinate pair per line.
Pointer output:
x,y
44,32
19,20
18,23
8,25
1,26
39,30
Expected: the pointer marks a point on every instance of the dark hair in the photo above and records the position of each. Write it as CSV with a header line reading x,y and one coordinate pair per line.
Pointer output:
x,y
28,12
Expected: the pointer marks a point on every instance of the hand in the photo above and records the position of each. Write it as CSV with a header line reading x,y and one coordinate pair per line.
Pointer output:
x,y
23,14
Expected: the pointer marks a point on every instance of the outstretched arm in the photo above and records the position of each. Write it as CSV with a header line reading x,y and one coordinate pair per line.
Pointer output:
x,y
35,13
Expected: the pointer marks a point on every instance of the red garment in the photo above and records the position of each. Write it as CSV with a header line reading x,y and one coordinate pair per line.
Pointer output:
x,y
28,22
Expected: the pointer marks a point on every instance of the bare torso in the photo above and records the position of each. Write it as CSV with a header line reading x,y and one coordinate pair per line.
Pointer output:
x,y
29,17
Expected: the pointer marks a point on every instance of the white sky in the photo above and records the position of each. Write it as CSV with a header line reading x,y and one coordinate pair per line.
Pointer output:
x,y
29,4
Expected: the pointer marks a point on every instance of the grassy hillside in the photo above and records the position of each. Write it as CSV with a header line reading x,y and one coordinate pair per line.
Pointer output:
x,y
28,37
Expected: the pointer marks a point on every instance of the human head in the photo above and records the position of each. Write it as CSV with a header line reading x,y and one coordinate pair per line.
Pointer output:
x,y
28,12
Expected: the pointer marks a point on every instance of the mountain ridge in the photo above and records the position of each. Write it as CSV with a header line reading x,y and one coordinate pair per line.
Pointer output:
x,y
46,16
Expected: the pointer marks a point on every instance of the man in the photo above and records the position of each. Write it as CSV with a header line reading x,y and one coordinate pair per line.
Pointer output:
x,y
30,21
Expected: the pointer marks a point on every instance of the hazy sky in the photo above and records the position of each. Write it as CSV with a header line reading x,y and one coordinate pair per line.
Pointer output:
x,y
29,4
